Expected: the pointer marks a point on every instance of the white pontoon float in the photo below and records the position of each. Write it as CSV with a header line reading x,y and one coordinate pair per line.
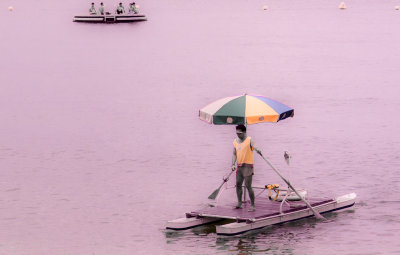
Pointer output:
x,y
110,18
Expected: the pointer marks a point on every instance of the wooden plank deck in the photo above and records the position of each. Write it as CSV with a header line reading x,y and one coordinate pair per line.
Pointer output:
x,y
264,208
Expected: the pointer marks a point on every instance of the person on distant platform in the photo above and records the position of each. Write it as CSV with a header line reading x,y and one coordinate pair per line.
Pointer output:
x,y
92,10
101,9
133,8
243,162
120,9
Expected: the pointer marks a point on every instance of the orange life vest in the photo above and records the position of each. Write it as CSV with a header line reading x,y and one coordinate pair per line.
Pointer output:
x,y
244,151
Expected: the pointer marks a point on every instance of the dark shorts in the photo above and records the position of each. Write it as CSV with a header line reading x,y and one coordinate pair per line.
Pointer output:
x,y
245,170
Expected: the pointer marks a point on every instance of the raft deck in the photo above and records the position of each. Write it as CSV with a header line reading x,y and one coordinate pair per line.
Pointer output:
x,y
264,208
267,213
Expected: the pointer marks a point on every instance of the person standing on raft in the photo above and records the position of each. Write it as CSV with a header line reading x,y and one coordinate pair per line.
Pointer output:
x,y
243,162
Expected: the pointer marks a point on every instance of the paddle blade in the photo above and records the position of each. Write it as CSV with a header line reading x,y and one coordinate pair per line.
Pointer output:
x,y
214,194
319,216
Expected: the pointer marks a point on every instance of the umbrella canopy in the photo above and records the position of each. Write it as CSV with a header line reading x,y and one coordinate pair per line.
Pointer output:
x,y
244,109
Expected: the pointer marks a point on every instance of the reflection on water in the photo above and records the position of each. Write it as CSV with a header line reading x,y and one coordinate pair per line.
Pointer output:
x,y
284,238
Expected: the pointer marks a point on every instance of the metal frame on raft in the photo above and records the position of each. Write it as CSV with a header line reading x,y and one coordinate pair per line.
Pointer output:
x,y
289,195
271,187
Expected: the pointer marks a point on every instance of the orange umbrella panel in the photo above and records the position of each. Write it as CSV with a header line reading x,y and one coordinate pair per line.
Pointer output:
x,y
245,109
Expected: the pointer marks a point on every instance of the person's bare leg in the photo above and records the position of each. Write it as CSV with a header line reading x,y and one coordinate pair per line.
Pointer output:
x,y
248,182
239,189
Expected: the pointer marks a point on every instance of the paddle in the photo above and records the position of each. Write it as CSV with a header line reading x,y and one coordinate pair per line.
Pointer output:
x,y
216,192
317,215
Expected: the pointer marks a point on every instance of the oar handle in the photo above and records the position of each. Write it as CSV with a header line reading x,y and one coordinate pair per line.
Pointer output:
x,y
227,178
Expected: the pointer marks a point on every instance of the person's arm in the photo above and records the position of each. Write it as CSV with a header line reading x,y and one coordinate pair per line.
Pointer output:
x,y
253,145
234,157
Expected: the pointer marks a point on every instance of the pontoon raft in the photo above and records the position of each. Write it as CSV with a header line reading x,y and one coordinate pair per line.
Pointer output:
x,y
269,212
110,18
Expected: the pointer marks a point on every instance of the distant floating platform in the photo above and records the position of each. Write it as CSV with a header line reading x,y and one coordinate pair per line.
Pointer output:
x,y
267,213
110,18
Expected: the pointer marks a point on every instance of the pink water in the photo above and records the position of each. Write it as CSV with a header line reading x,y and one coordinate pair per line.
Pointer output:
x,y
100,141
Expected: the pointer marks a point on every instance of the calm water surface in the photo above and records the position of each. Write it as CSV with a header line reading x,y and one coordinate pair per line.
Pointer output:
x,y
100,141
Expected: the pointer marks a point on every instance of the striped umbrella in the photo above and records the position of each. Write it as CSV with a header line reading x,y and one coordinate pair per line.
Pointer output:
x,y
244,109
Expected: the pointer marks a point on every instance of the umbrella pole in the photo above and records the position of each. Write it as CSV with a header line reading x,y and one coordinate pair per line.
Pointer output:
x,y
317,214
